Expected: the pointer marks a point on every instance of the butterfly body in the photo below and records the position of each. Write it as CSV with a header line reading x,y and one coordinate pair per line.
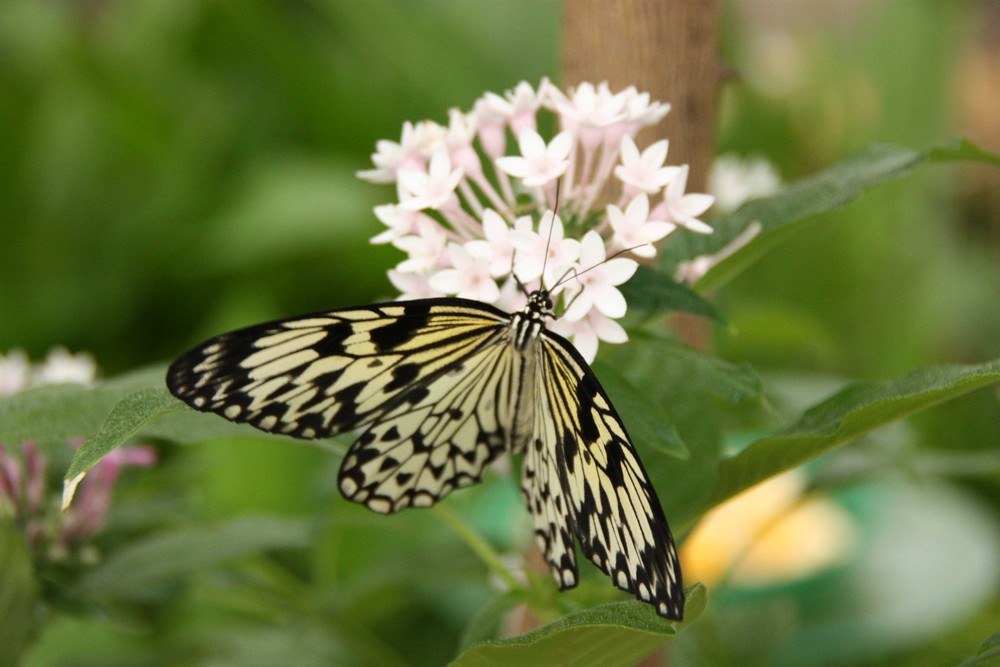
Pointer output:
x,y
438,388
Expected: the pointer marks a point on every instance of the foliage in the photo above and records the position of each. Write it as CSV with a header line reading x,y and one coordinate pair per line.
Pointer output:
x,y
188,168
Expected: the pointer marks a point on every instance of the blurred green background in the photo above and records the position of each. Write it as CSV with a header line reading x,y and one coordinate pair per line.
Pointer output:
x,y
176,169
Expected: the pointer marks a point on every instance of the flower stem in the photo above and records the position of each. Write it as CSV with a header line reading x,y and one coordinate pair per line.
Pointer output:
x,y
482,548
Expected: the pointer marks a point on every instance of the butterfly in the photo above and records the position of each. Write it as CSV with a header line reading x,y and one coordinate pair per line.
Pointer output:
x,y
438,388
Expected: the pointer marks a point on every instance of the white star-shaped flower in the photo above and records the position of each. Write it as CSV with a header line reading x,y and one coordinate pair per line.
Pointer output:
x,y
400,222
412,285
434,188
644,172
633,228
424,248
427,137
499,245
682,209
641,111
546,249
389,157
538,163
409,154
590,112
598,280
470,278
516,108
586,332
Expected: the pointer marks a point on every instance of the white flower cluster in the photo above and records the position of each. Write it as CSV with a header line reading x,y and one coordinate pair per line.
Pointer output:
x,y
473,221
59,367
734,180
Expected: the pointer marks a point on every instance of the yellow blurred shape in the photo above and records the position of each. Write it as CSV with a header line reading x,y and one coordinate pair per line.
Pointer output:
x,y
769,534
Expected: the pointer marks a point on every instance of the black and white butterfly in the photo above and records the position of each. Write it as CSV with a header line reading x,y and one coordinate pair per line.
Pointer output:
x,y
438,388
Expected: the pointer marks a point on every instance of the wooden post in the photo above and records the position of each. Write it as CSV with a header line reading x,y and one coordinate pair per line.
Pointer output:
x,y
666,47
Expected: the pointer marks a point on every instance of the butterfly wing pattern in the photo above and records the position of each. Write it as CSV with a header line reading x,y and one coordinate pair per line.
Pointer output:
x,y
617,517
394,371
437,389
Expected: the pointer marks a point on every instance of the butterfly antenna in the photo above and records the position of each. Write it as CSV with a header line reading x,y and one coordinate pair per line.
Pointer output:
x,y
520,285
576,274
573,273
552,226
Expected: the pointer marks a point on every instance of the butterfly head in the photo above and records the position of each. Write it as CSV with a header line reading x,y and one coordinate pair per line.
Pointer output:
x,y
540,303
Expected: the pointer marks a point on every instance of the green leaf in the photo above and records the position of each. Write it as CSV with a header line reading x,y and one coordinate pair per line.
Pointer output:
x,y
780,215
127,416
835,187
730,382
647,421
653,291
988,655
621,633
55,414
484,625
845,416
59,412
963,149
108,414
18,595
139,572
186,424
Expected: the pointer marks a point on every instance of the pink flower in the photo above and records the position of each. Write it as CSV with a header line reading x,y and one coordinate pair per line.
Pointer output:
x,y
516,108
459,138
51,533
409,154
424,248
400,221
93,499
592,113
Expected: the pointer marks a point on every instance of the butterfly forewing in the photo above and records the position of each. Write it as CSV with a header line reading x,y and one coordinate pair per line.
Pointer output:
x,y
438,388
322,374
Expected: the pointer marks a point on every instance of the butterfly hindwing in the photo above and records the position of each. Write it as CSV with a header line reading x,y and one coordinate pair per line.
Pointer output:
x,y
615,513
542,486
439,437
